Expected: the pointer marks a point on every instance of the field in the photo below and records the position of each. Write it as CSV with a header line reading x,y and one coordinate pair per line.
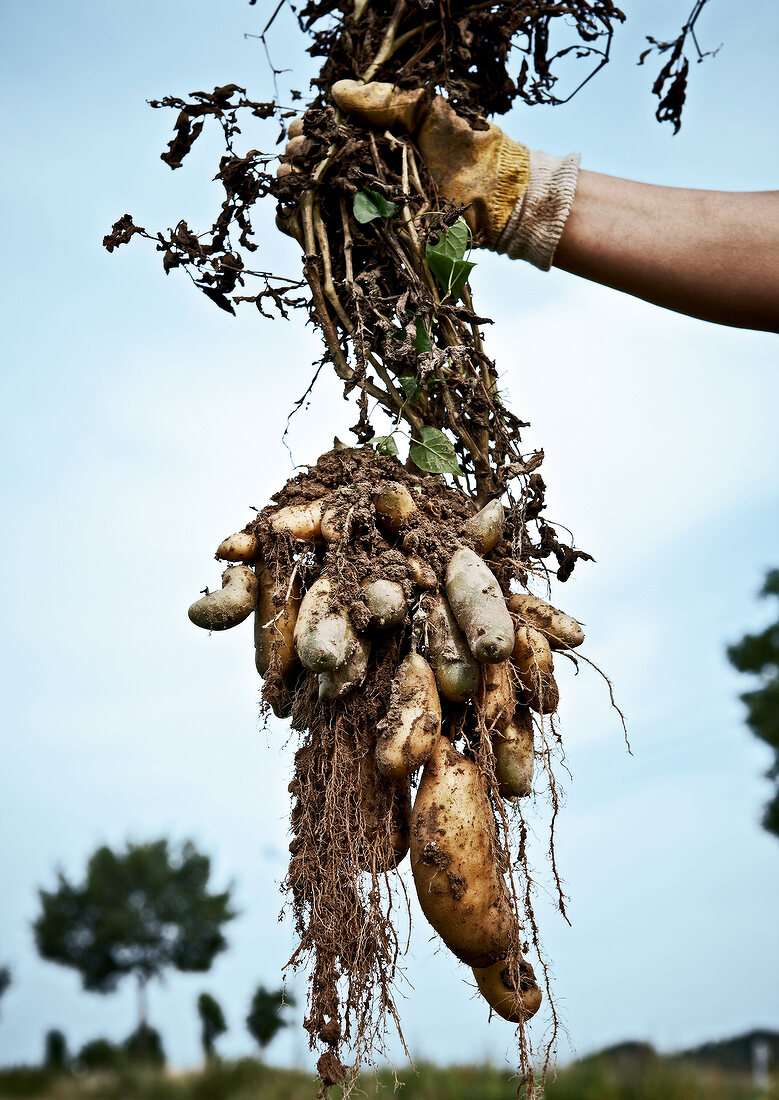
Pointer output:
x,y
593,1079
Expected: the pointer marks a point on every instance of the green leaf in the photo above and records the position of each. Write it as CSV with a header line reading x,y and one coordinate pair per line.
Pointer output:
x,y
369,205
385,445
445,258
435,453
410,386
422,342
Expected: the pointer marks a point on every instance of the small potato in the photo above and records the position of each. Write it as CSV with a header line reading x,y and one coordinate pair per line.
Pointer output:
x,y
377,794
532,658
413,723
456,669
242,546
478,605
486,527
324,638
497,695
332,524
509,989
302,521
394,504
421,573
514,756
231,605
274,632
386,603
560,630
455,860
339,682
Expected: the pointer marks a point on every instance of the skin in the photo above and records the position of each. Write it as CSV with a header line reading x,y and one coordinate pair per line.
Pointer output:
x,y
709,254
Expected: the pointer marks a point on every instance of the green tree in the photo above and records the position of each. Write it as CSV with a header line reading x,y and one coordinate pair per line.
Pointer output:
x,y
138,912
6,980
264,1018
145,1045
55,1051
212,1023
758,654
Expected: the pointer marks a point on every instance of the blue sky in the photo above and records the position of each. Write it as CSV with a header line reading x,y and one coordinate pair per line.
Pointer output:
x,y
141,425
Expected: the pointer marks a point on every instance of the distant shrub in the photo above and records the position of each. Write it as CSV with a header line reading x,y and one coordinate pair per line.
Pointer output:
x,y
145,1046
55,1051
99,1054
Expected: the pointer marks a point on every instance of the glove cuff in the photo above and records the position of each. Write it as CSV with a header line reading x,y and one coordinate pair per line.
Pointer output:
x,y
535,225
511,181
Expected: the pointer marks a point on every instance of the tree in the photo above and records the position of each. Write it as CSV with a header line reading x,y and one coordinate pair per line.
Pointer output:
x,y
264,1018
6,980
212,1023
55,1051
145,1045
138,912
758,654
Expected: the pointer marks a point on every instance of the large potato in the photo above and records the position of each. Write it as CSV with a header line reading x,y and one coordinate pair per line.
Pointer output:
x,y
456,669
476,599
514,755
413,723
509,989
231,605
455,860
324,637
561,631
273,631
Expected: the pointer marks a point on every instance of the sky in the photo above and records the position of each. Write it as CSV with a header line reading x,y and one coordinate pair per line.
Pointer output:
x,y
141,424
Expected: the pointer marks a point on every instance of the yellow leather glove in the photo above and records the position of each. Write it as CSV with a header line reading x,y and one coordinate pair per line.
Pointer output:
x,y
518,200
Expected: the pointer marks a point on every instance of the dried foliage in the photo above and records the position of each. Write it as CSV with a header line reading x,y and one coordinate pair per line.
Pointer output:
x,y
670,87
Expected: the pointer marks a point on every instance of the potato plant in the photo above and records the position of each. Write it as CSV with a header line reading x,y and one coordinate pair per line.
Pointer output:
x,y
389,583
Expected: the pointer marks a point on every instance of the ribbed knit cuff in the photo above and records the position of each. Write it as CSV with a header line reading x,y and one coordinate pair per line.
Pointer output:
x,y
534,229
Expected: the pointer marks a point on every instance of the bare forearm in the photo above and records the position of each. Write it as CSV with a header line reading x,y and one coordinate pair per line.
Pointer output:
x,y
710,254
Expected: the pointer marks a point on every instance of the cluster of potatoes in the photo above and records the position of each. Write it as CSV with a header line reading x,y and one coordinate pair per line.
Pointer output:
x,y
470,642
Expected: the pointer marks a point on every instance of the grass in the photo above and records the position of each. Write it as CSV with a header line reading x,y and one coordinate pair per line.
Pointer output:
x,y
594,1079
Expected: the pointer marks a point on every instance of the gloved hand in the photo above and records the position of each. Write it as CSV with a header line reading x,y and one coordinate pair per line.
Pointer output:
x,y
519,200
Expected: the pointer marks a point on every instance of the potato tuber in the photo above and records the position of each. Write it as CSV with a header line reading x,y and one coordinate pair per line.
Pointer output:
x,y
560,630
386,603
454,858
274,629
456,670
231,605
242,546
510,990
486,527
413,722
324,638
478,605
301,521
340,681
513,750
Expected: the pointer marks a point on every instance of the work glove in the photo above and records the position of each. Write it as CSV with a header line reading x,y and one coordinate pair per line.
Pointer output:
x,y
517,200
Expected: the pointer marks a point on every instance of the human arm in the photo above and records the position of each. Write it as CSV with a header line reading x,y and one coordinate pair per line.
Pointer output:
x,y
712,255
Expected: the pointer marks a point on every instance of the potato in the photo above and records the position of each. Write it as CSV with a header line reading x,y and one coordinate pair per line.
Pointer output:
x,y
509,989
274,632
421,573
394,505
339,682
486,527
454,859
231,605
302,521
413,723
324,637
375,794
534,664
242,546
478,605
386,603
560,630
497,696
456,670
514,756
332,524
